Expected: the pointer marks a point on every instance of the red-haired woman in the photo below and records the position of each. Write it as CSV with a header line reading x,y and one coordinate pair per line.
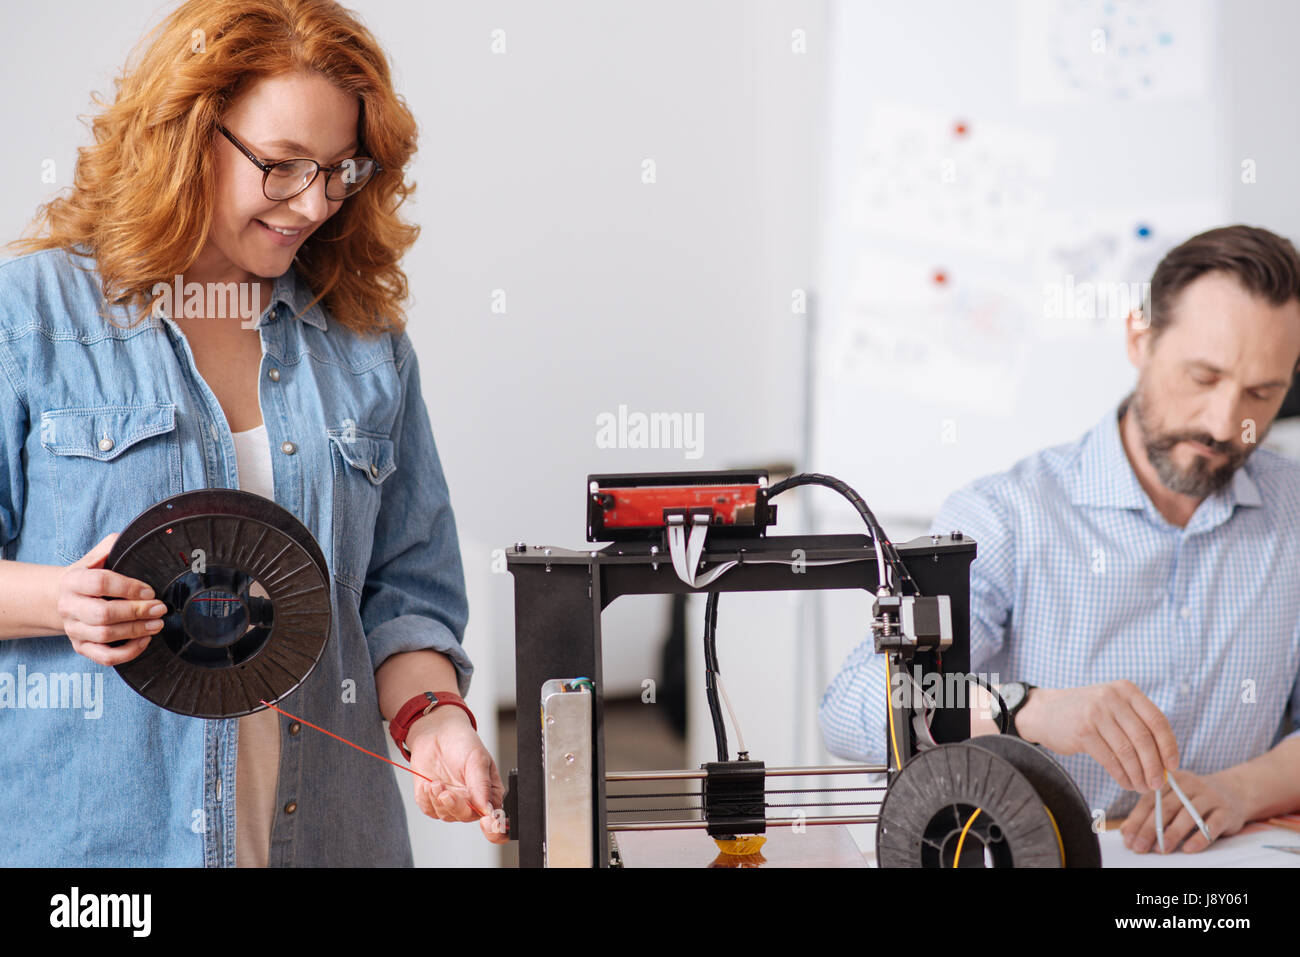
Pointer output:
x,y
217,304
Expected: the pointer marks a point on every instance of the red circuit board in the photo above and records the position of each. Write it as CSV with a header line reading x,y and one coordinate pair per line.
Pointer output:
x,y
644,507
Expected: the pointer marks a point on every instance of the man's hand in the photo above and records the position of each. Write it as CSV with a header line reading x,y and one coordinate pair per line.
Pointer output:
x,y
466,785
1113,722
1220,806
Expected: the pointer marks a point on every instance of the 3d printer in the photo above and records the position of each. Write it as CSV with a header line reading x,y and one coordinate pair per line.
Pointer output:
x,y
951,800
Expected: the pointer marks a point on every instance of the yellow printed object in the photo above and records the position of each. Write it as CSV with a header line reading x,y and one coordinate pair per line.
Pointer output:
x,y
741,846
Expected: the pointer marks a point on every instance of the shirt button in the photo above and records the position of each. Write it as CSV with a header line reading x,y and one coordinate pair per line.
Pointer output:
x,y
273,374
1186,613
105,444
288,448
295,728
1185,688
271,315
374,470
291,807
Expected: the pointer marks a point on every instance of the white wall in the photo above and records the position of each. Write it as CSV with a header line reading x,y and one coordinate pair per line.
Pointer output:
x,y
666,297
1261,74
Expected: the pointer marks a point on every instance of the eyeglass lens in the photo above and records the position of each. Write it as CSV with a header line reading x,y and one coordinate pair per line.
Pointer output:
x,y
286,180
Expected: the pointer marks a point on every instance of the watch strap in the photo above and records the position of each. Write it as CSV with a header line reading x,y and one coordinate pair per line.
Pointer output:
x,y
1015,709
417,707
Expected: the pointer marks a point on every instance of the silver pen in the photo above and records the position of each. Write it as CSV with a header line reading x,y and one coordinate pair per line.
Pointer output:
x,y
1188,804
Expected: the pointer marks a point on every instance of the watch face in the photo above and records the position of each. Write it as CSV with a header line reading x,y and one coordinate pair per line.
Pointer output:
x,y
1013,693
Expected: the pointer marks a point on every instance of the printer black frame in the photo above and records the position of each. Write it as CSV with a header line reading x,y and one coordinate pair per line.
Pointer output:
x,y
561,593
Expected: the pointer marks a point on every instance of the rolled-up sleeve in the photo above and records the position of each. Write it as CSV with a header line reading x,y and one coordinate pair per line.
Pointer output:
x,y
14,423
853,712
414,595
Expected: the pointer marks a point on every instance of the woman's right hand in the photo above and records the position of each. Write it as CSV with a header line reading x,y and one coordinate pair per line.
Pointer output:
x,y
91,622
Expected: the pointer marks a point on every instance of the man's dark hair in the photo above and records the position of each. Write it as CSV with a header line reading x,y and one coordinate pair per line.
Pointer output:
x,y
1265,264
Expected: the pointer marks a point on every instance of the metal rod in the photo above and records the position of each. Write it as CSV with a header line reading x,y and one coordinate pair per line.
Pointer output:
x,y
654,775
771,822
874,803
652,794
654,810
699,807
667,794
877,787
830,769
684,775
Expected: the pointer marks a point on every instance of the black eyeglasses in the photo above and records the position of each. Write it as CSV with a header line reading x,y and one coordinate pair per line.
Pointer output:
x,y
287,178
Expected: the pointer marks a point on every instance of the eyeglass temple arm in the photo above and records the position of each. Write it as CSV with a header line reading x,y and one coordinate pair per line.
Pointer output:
x,y
264,167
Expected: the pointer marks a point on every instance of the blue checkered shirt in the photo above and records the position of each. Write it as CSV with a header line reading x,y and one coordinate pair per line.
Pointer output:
x,y
1078,580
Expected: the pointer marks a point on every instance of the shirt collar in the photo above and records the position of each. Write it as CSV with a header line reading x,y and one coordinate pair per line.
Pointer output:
x,y
293,293
290,293
1103,476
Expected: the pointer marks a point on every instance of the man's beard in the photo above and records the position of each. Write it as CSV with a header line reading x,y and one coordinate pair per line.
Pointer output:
x,y
1200,478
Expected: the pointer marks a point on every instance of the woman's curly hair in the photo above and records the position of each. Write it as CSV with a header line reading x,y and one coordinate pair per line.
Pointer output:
x,y
142,204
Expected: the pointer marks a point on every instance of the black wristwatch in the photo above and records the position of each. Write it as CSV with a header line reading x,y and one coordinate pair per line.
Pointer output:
x,y
1015,694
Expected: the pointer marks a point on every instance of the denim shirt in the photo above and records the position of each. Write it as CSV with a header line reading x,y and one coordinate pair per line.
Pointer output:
x,y
91,773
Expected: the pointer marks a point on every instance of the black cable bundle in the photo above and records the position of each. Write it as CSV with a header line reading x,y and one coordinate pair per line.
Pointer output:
x,y
711,670
887,548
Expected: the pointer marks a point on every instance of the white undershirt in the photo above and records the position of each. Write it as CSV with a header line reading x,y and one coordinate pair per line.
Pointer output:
x,y
257,766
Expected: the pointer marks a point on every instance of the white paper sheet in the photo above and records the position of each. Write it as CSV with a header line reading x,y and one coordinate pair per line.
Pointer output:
x,y
949,180
1244,849
961,338
1081,50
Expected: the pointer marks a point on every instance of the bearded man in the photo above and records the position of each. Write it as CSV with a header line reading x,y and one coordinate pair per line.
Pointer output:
x,y
1140,587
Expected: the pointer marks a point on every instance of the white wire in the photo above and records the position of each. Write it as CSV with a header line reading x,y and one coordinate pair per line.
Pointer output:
x,y
886,578
740,738
686,547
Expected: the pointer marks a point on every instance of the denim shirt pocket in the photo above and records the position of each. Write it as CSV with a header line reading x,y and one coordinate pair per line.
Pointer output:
x,y
361,462
107,464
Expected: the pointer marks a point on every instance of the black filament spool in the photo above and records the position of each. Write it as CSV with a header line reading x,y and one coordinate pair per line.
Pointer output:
x,y
933,799
1060,795
248,602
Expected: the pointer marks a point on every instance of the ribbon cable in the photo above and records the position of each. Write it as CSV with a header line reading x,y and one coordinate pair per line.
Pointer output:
x,y
686,545
687,548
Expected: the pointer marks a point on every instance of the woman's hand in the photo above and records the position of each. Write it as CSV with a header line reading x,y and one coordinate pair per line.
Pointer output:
x,y
91,622
466,785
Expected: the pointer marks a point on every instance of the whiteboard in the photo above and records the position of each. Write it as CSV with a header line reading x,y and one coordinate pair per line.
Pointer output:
x,y
1002,179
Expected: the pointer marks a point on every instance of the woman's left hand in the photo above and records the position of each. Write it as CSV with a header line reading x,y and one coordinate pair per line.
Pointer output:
x,y
465,783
